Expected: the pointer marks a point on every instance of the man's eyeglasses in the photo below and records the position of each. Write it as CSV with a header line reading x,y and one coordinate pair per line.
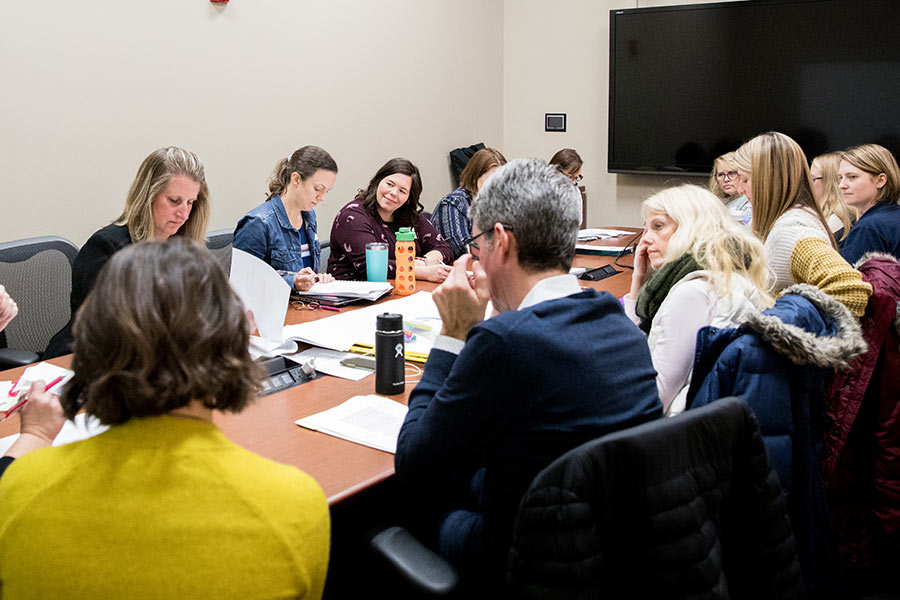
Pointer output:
x,y
728,175
470,243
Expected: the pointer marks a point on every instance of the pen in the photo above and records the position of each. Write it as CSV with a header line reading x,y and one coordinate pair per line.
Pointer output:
x,y
11,392
16,407
334,308
52,383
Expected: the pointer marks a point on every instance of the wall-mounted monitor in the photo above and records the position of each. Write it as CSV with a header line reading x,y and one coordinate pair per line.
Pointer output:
x,y
689,83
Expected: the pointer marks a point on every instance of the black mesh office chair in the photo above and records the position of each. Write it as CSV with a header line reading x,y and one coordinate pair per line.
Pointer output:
x,y
686,507
37,273
219,243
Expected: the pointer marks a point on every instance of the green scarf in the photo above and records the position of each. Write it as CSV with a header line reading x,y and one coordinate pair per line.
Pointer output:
x,y
651,295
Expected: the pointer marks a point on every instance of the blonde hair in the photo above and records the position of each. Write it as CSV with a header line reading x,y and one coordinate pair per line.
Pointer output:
x,y
718,243
875,160
714,186
831,200
151,180
780,180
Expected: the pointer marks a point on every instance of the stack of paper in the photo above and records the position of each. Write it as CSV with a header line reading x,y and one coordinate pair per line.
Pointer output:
x,y
371,420
587,235
362,290
357,328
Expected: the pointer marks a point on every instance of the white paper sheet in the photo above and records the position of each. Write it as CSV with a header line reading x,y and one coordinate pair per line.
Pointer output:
x,y
329,362
262,290
372,421
80,429
341,331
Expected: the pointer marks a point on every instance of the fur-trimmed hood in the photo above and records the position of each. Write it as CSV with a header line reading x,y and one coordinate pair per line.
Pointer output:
x,y
833,349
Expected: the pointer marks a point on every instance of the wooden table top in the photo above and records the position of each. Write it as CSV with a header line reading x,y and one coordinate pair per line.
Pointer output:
x,y
342,468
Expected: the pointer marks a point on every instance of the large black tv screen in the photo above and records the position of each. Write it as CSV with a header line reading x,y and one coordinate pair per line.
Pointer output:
x,y
689,83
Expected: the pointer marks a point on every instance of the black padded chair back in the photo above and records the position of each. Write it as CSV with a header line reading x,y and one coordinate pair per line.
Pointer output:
x,y
219,243
37,273
686,507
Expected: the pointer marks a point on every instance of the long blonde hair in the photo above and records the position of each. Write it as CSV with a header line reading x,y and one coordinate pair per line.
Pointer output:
x,y
151,180
831,200
780,180
718,243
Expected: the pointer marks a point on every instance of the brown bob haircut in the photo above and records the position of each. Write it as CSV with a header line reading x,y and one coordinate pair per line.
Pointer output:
x,y
481,162
408,214
160,328
567,160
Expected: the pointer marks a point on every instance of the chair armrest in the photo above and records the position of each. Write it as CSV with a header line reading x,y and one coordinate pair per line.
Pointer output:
x,y
420,566
11,358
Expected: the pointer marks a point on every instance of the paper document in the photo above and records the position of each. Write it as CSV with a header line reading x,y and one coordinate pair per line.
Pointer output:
x,y
372,421
601,250
329,362
596,233
262,290
344,330
81,428
365,290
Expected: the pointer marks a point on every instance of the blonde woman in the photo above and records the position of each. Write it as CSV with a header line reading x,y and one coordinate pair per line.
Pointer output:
x,y
799,246
168,197
723,182
870,182
694,266
826,188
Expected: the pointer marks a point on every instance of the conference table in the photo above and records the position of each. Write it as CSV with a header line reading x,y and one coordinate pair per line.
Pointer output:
x,y
343,469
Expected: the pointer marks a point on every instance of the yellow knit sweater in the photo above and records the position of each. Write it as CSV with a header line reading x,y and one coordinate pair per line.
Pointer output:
x,y
161,507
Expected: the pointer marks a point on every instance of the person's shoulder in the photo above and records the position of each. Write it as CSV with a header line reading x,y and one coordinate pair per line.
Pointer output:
x,y
262,211
886,216
28,476
796,224
269,482
587,304
112,234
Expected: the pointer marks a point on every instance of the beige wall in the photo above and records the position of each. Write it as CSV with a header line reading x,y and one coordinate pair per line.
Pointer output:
x,y
556,59
89,89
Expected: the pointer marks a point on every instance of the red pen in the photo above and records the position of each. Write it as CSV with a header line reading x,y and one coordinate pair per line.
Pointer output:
x,y
334,308
15,408
49,385
52,383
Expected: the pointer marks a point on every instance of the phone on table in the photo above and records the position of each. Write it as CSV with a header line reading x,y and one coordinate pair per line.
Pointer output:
x,y
360,362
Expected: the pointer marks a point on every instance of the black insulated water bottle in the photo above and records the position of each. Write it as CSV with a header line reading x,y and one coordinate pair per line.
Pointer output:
x,y
389,349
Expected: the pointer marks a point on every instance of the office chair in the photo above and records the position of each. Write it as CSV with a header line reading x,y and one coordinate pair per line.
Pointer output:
x,y
37,273
676,508
326,253
219,243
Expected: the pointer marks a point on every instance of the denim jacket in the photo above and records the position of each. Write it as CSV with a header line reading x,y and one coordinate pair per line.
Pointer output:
x,y
267,233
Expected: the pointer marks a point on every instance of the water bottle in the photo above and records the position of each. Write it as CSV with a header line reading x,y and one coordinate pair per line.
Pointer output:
x,y
389,354
405,254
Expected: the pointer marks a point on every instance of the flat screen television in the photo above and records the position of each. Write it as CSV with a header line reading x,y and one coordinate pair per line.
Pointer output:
x,y
689,83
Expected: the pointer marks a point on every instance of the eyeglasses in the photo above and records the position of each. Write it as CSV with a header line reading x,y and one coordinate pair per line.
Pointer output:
x,y
577,179
470,243
728,175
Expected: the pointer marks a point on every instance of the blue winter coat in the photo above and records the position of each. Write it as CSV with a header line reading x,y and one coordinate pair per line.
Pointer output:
x,y
777,362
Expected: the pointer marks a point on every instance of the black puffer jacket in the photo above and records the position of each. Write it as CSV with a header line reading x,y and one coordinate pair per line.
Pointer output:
x,y
686,507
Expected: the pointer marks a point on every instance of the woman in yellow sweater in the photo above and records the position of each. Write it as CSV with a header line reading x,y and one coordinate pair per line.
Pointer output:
x,y
162,505
799,246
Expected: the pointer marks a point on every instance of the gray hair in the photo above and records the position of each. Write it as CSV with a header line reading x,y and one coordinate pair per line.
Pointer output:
x,y
539,205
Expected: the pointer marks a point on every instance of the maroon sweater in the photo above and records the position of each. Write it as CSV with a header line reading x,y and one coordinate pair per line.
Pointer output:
x,y
354,227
